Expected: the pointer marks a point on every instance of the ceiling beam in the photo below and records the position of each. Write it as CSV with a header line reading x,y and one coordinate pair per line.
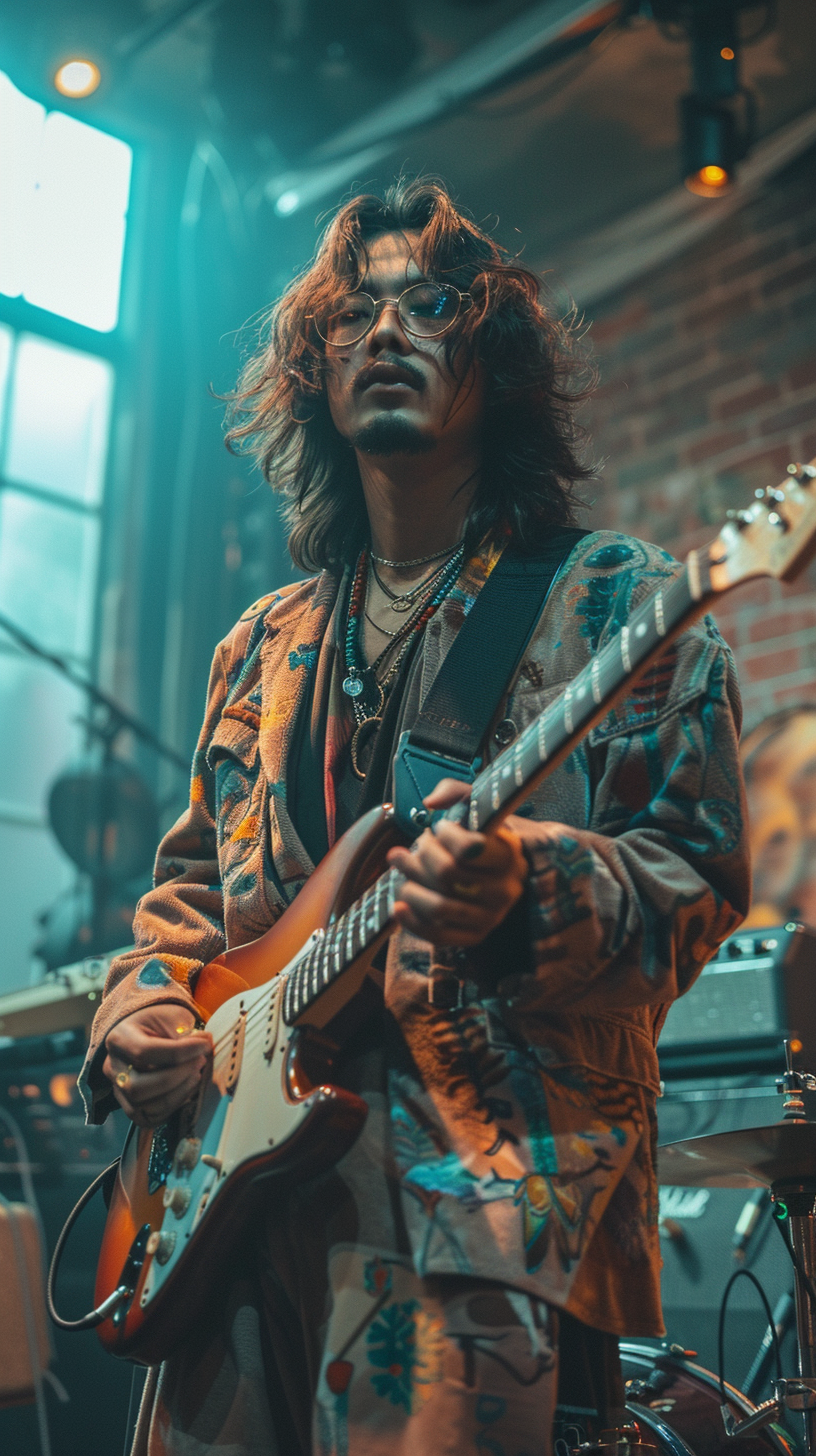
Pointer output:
x,y
360,146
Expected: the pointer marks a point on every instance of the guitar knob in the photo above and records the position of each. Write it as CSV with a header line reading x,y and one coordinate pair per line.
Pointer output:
x,y
187,1155
161,1246
178,1200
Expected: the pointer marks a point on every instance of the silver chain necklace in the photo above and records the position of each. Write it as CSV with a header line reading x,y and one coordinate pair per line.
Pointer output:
x,y
416,560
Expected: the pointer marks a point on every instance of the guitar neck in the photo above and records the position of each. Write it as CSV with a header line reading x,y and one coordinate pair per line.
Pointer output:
x,y
515,773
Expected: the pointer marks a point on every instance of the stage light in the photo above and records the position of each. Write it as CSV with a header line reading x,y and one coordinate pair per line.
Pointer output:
x,y
287,202
710,146
77,78
727,53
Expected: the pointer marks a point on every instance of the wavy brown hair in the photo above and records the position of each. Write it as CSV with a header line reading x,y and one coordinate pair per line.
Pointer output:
x,y
535,373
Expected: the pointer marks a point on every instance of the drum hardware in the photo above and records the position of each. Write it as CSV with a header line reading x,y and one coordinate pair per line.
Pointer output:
x,y
620,1441
676,1403
782,1157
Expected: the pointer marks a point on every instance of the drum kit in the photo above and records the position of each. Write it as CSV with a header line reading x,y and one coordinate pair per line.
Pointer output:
x,y
675,1406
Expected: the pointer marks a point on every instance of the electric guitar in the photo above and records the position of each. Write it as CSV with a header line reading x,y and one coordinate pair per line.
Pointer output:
x,y
268,1113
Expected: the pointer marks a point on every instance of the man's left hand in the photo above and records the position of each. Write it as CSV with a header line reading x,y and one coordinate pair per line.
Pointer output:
x,y
458,885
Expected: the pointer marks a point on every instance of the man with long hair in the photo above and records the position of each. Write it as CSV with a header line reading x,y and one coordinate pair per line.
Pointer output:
x,y
496,1216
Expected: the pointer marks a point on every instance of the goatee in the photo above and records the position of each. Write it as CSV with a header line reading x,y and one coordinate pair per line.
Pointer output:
x,y
391,435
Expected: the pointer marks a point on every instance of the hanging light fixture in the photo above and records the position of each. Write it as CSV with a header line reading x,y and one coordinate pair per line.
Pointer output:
x,y
77,78
717,115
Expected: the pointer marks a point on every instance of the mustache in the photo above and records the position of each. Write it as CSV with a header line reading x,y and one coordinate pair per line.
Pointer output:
x,y
410,370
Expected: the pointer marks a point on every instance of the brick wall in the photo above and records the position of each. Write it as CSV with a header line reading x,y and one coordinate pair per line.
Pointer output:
x,y
708,390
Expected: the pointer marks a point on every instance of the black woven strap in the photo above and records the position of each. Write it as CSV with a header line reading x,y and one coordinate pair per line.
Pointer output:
x,y
488,649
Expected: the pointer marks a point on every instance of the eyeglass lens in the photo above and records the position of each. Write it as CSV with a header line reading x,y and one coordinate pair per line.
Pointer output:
x,y
425,309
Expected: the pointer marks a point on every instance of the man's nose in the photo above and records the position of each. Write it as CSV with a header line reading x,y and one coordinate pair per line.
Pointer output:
x,y
387,332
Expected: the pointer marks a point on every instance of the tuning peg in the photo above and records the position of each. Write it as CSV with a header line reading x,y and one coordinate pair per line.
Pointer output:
x,y
803,473
776,495
741,519
774,519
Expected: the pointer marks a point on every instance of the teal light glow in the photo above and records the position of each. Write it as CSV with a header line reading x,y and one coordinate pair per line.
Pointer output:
x,y
58,420
64,190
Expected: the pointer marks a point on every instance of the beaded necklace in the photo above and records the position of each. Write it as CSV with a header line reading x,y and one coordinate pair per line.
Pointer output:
x,y
361,677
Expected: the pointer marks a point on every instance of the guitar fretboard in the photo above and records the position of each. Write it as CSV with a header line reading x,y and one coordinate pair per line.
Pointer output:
x,y
514,773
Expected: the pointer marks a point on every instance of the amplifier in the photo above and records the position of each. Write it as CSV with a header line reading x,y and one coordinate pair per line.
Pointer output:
x,y
758,989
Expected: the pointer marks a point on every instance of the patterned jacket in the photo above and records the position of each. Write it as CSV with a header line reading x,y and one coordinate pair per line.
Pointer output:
x,y
521,1126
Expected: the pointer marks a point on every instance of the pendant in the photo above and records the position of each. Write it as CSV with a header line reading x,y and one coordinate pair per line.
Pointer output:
x,y
401,604
363,732
353,684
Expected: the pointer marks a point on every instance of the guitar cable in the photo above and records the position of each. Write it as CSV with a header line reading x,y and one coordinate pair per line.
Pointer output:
x,y
96,1316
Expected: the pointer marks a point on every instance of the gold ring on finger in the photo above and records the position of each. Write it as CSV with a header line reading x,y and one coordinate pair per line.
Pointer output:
x,y
464,891
123,1078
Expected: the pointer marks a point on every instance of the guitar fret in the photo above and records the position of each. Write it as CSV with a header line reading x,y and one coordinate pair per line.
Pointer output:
x,y
660,621
518,767
624,646
350,934
568,708
542,739
311,975
693,571
595,679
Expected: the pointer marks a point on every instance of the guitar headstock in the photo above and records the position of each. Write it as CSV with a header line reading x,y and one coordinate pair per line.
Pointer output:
x,y
774,536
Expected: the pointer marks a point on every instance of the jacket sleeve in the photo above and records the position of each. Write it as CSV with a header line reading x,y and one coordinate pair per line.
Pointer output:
x,y
626,911
179,924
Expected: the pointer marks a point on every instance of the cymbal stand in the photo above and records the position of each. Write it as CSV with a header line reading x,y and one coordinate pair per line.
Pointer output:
x,y
796,1201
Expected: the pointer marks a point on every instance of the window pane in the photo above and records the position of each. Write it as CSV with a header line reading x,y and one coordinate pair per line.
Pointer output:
x,y
48,559
21,126
64,190
58,422
38,737
78,223
39,733
5,360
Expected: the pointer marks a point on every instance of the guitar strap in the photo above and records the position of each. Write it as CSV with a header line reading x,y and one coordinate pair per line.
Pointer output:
x,y
468,687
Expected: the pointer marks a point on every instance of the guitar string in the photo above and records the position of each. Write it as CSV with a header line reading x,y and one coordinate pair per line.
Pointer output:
x,y
262,1005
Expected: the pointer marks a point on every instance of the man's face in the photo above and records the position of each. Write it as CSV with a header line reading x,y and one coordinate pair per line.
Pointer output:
x,y
392,393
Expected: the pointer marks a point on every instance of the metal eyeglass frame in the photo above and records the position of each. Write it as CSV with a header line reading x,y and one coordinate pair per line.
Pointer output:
x,y
378,304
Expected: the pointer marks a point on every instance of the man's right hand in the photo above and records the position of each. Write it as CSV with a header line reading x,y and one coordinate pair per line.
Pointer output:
x,y
158,1058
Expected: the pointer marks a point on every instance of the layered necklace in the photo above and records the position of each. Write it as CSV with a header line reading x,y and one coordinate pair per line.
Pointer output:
x,y
361,683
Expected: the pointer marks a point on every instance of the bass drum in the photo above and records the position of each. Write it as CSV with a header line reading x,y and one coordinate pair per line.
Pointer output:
x,y
677,1406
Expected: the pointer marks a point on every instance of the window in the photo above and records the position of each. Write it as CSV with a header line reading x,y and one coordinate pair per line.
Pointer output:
x,y
64,190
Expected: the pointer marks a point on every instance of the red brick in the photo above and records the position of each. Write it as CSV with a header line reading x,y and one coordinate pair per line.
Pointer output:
x,y
797,414
763,466
760,592
803,373
710,315
791,696
771,664
782,624
713,445
804,272
605,331
752,399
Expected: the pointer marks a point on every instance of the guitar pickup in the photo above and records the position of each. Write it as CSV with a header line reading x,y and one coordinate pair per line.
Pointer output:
x,y
236,1052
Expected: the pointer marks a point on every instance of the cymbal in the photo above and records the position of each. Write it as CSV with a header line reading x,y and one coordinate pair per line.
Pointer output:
x,y
750,1157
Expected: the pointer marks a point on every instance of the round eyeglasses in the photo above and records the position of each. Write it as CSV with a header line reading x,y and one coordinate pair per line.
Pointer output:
x,y
425,310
